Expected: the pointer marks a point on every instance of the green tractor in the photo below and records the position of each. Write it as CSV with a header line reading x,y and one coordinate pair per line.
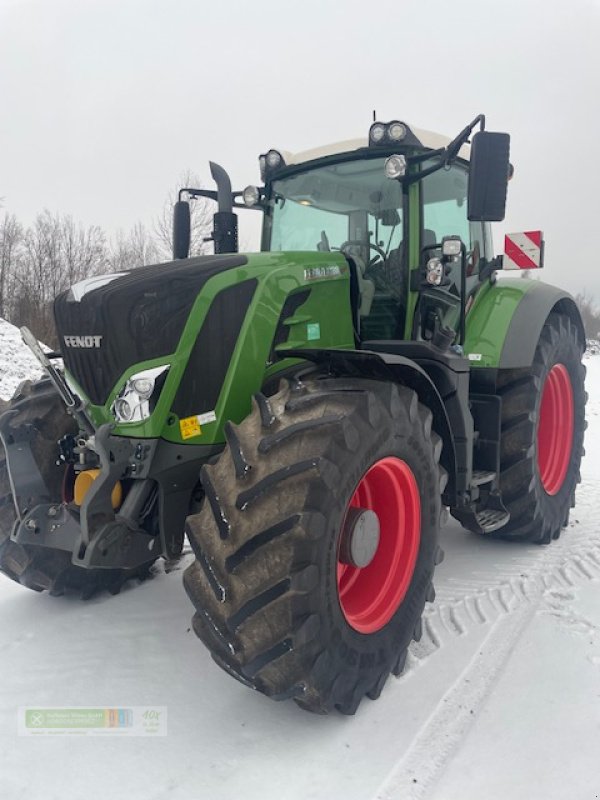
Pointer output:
x,y
305,414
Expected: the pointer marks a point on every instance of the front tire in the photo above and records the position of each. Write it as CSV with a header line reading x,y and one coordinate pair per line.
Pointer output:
x,y
543,421
274,604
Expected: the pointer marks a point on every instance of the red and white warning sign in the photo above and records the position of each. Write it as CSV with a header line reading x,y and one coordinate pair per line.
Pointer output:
x,y
523,250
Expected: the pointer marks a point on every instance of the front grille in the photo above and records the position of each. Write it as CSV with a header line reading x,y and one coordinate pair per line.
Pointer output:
x,y
139,316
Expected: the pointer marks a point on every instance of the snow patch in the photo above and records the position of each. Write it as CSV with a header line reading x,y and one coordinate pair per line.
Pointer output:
x,y
17,362
592,347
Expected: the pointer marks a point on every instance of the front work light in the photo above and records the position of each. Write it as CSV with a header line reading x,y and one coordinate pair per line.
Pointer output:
x,y
395,167
270,161
377,132
274,159
396,131
451,246
434,271
251,196
384,134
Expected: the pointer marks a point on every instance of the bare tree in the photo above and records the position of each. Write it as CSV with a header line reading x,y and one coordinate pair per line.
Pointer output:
x,y
56,253
53,253
134,249
11,236
83,250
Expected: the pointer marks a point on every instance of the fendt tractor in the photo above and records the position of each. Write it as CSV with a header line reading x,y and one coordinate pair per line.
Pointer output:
x,y
306,414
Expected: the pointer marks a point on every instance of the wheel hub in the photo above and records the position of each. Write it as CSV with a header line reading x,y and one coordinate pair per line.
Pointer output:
x,y
360,537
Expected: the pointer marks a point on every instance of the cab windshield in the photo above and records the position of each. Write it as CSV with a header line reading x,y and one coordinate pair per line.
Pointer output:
x,y
349,206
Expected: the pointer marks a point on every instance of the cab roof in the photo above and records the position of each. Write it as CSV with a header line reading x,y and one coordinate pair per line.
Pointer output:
x,y
429,140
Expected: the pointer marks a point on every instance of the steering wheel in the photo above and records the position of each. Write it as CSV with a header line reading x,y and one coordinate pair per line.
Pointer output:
x,y
360,243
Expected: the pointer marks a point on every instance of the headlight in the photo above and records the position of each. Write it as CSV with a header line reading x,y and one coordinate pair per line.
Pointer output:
x,y
135,401
395,167
122,410
143,387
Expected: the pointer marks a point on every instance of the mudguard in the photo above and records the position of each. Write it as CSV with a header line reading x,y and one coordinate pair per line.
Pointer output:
x,y
396,368
504,324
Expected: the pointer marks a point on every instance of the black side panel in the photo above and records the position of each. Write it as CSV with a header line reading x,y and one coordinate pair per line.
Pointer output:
x,y
139,316
209,360
487,411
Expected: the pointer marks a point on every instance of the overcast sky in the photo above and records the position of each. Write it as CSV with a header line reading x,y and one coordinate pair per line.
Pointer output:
x,y
104,104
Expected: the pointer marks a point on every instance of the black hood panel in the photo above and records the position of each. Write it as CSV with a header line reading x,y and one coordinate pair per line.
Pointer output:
x,y
139,316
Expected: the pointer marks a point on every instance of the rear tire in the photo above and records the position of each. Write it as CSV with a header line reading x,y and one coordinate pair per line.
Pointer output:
x,y
273,603
543,421
43,568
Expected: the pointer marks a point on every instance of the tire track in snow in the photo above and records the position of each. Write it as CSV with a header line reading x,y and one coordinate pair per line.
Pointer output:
x,y
418,771
506,599
503,590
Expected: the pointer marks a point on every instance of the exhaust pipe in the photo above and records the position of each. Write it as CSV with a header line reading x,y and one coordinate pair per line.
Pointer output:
x,y
225,222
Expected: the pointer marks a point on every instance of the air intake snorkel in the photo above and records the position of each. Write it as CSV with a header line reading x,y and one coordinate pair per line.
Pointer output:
x,y
225,222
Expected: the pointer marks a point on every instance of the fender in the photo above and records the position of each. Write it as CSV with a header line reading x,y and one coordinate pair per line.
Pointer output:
x,y
504,324
396,369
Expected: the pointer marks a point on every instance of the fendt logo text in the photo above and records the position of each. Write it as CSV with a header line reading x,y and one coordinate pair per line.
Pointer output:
x,y
82,341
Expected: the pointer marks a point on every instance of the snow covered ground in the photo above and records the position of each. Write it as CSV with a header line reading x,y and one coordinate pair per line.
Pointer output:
x,y
500,699
16,361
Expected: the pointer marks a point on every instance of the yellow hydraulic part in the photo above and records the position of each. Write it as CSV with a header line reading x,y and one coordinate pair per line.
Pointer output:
x,y
82,486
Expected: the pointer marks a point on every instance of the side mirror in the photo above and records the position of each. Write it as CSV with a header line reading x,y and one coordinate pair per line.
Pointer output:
x,y
488,176
181,229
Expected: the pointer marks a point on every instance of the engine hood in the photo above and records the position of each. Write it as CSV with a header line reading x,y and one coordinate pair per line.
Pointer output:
x,y
109,322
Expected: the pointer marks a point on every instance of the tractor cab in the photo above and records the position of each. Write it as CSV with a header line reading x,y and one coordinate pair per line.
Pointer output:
x,y
407,208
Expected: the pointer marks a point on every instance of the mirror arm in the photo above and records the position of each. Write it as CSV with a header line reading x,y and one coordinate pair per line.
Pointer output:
x,y
417,176
208,193
446,154
489,267
458,141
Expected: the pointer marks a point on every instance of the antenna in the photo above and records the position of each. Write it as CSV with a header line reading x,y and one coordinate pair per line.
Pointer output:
x,y
374,116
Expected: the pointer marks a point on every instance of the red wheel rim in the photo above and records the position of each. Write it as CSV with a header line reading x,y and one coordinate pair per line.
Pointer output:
x,y
369,597
555,429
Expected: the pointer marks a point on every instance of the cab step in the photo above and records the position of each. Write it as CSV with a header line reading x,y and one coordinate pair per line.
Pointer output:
x,y
483,520
480,476
491,519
